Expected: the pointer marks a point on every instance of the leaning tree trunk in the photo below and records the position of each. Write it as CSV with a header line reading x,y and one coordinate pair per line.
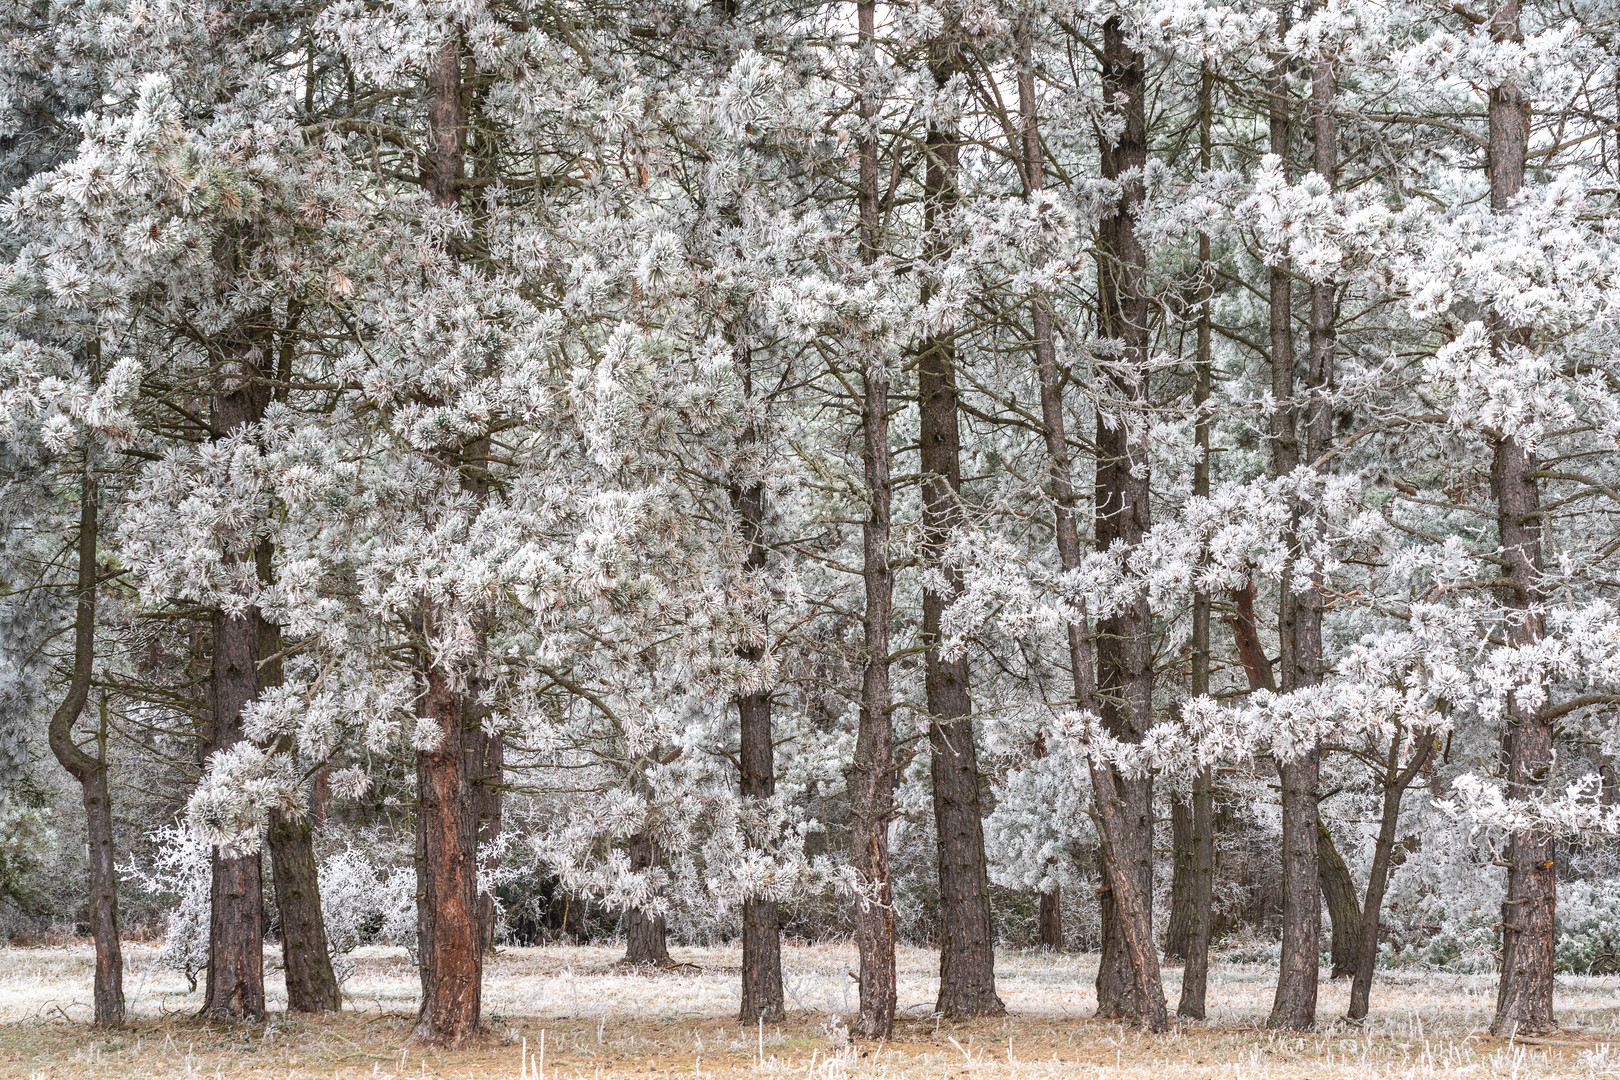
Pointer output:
x,y
1124,640
872,775
1344,910
91,773
967,974
1524,999
1195,974
1396,781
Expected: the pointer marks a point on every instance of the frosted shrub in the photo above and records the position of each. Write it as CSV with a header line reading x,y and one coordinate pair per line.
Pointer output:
x,y
365,900
181,871
1588,928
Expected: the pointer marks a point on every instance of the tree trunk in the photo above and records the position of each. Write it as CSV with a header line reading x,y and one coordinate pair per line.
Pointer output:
x,y
1183,871
1524,1000
1195,974
1344,910
967,978
449,950
312,984
91,773
236,916
1294,1007
872,778
645,939
487,758
449,933
1124,640
1052,919
1396,781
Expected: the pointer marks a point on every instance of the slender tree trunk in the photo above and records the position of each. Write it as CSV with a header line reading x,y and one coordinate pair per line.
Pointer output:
x,y
1344,909
312,984
1524,1000
1195,974
1294,1006
91,773
1396,781
450,936
872,778
967,977
1183,870
1124,640
645,937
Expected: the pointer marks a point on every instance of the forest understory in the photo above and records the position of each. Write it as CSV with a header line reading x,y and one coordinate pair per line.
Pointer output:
x,y
601,1019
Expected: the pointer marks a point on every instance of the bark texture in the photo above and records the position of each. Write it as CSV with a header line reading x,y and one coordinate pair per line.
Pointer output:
x,y
312,985
1343,907
1128,982
967,976
1524,1000
646,939
872,777
91,773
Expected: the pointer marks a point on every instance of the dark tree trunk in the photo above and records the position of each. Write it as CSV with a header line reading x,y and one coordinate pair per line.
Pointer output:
x,y
761,931
1294,1007
1052,919
1524,1000
312,984
450,952
1396,781
1183,872
1344,910
645,939
486,763
967,977
91,773
236,917
1195,975
872,777
1124,640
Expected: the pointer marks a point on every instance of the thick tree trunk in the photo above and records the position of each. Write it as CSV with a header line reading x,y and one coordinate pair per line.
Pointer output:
x,y
1052,919
1195,974
1344,909
1124,640
645,937
91,773
872,777
1396,781
449,950
967,978
236,917
1524,1000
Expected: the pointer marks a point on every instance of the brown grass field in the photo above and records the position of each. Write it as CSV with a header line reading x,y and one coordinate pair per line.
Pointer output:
x,y
601,1021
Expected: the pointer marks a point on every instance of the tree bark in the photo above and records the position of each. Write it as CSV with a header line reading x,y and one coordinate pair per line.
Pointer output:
x,y
872,778
1294,1006
1124,640
1344,909
967,978
1052,919
235,988
1396,781
449,933
1183,870
312,984
91,772
1524,1000
1195,973
645,938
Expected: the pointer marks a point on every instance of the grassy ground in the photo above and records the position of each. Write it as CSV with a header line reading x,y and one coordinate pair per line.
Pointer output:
x,y
599,1020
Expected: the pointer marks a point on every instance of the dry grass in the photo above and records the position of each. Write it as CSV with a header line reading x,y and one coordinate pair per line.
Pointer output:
x,y
600,1021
